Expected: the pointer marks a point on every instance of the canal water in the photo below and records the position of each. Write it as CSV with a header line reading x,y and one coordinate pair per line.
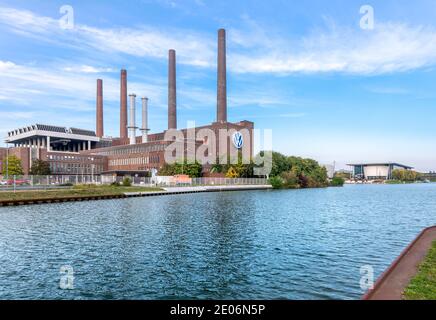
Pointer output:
x,y
291,244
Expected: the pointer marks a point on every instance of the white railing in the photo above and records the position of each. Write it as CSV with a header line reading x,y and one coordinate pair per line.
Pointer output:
x,y
173,182
29,182
53,181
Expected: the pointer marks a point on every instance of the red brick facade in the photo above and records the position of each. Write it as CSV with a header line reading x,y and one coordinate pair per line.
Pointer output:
x,y
143,157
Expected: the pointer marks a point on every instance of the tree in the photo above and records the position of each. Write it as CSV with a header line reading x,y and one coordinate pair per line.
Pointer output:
x,y
40,168
276,182
193,170
280,164
167,170
405,175
243,170
337,181
127,182
12,166
296,172
398,174
290,180
217,167
344,175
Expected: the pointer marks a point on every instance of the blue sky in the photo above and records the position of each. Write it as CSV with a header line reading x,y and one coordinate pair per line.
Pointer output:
x,y
327,88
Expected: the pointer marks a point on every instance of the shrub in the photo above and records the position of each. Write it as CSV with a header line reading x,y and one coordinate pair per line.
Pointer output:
x,y
290,180
40,168
405,175
68,184
276,182
337,182
127,182
231,173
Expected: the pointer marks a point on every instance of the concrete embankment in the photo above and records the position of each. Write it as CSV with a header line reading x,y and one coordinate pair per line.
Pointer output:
x,y
165,192
391,284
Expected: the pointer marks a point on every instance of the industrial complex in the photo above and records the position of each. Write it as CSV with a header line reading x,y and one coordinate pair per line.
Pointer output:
x,y
71,151
74,151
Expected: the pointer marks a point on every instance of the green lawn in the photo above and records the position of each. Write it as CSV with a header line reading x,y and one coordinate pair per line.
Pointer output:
x,y
423,285
74,191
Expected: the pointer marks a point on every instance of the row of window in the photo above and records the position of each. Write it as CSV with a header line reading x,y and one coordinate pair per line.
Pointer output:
x,y
134,161
75,168
134,149
78,158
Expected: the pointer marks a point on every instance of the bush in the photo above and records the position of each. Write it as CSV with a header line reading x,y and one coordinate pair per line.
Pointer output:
x,y
337,182
276,182
296,172
193,170
405,175
231,173
115,184
127,182
290,180
40,168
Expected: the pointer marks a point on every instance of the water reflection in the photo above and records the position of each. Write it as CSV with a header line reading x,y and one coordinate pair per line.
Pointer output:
x,y
305,244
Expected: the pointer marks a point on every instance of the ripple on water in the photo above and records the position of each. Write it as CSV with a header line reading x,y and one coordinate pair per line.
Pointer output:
x,y
297,244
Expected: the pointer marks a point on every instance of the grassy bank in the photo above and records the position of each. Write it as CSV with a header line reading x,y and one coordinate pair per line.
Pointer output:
x,y
76,191
423,285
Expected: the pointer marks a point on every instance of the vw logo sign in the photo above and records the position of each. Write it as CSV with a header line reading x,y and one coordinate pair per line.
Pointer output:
x,y
238,140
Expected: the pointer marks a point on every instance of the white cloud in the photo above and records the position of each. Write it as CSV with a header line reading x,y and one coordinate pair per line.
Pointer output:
x,y
390,47
45,88
142,41
87,69
22,19
27,85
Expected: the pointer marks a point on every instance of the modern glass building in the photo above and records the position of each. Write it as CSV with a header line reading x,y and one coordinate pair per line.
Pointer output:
x,y
375,171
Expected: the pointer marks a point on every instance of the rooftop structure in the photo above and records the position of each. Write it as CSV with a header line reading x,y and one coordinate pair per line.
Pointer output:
x,y
53,138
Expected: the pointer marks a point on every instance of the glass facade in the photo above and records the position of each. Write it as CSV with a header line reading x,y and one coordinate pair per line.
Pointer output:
x,y
358,171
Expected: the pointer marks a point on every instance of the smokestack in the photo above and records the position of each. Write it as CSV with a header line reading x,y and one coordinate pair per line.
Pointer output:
x,y
123,105
222,78
172,104
99,125
144,128
132,126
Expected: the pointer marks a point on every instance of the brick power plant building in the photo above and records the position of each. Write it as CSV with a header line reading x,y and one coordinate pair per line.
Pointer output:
x,y
71,151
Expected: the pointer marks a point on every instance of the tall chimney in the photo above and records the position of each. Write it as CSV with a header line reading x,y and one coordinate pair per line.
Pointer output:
x,y
123,105
172,104
222,78
99,125
144,128
132,125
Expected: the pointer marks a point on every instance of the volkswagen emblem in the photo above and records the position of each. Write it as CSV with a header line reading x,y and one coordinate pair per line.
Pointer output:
x,y
238,140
